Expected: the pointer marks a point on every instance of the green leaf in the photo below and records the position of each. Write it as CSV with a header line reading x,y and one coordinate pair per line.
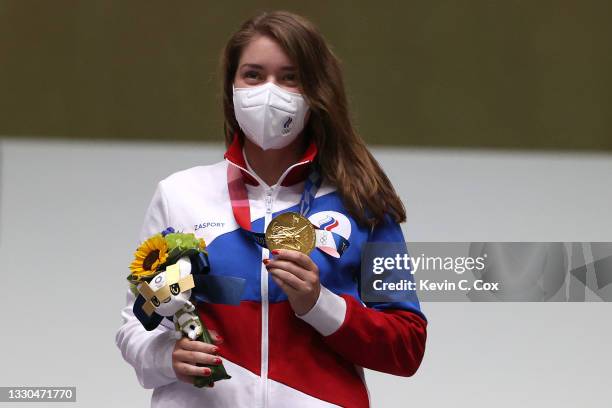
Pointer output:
x,y
181,240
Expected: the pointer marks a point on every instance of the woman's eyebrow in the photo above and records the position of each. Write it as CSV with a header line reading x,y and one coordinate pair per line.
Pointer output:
x,y
257,66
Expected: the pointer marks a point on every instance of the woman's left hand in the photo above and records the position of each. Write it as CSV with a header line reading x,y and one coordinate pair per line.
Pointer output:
x,y
298,277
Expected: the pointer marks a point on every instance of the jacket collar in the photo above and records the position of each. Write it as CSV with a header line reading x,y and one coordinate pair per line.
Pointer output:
x,y
294,174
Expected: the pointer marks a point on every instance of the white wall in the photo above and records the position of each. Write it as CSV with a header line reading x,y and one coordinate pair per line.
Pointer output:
x,y
71,211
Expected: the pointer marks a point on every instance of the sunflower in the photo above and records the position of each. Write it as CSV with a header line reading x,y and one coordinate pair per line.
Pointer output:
x,y
148,257
201,245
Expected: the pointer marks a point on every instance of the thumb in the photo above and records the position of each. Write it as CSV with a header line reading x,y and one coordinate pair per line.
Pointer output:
x,y
216,337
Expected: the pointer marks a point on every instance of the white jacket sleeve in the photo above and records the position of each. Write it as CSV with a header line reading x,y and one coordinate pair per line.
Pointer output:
x,y
149,352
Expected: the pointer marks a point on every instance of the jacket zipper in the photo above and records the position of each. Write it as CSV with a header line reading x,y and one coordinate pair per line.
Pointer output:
x,y
265,253
265,307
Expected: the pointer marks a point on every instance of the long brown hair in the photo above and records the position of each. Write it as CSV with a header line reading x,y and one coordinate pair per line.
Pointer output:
x,y
343,157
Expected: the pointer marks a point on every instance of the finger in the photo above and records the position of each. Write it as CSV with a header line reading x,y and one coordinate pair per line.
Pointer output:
x,y
291,267
289,279
298,257
195,357
286,288
216,337
191,370
195,345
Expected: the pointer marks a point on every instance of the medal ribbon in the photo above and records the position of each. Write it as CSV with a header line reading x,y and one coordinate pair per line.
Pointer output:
x,y
239,199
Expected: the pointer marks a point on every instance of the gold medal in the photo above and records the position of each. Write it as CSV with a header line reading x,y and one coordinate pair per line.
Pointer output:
x,y
291,230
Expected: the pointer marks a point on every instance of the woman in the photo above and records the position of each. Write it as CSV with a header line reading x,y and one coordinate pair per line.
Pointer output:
x,y
301,334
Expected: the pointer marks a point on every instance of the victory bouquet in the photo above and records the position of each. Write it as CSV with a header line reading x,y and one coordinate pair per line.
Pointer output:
x,y
162,278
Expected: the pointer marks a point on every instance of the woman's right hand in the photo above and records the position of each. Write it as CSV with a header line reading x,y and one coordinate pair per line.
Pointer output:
x,y
188,352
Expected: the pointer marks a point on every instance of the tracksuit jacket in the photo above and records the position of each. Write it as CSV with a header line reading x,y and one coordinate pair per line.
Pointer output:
x,y
275,357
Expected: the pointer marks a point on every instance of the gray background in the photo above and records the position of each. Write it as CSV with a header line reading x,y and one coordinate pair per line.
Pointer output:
x,y
71,213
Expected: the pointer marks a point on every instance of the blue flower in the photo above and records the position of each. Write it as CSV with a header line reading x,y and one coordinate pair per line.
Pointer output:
x,y
167,231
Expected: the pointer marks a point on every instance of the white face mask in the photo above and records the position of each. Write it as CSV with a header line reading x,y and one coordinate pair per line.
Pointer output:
x,y
269,116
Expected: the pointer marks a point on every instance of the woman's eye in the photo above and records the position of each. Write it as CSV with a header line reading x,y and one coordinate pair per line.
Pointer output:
x,y
290,77
251,75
